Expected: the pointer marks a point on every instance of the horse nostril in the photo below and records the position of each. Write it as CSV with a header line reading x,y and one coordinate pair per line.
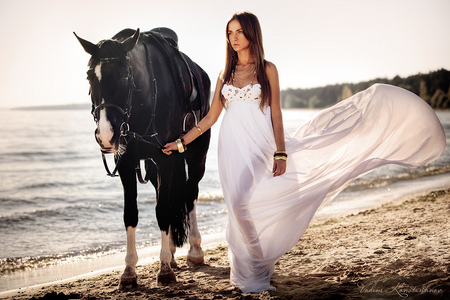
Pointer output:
x,y
99,141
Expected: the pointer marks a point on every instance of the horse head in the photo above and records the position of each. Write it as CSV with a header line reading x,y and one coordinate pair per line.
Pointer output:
x,y
111,83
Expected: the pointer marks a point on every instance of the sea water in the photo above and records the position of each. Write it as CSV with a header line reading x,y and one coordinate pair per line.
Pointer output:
x,y
56,202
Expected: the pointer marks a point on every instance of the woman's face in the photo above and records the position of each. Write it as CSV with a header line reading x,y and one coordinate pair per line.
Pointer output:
x,y
236,36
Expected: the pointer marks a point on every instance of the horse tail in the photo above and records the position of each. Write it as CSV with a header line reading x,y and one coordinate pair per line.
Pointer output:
x,y
179,226
180,204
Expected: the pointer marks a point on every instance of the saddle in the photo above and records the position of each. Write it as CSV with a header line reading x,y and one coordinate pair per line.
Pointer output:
x,y
195,100
168,34
171,37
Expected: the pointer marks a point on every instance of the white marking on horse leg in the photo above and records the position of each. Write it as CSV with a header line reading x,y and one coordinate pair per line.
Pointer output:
x,y
105,131
165,256
173,249
131,258
129,276
165,275
195,254
98,71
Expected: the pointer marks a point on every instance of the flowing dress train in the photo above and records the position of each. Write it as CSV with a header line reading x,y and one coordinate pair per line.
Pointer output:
x,y
267,215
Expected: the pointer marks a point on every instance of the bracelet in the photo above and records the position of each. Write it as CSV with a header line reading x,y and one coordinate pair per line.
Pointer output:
x,y
199,129
183,142
280,158
180,145
280,153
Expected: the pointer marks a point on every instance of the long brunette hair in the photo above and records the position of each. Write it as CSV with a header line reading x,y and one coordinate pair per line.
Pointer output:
x,y
252,32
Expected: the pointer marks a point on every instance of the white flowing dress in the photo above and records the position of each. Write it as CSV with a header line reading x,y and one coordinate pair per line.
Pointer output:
x,y
267,215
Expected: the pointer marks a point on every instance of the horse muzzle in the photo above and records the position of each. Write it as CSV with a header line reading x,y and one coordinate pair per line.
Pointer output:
x,y
109,143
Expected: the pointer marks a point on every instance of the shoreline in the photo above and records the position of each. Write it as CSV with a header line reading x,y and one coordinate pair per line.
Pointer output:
x,y
400,246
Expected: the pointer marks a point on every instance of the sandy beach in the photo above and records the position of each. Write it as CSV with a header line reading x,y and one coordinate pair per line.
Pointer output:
x,y
398,251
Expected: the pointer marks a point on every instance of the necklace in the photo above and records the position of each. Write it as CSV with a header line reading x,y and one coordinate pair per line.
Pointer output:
x,y
241,76
250,65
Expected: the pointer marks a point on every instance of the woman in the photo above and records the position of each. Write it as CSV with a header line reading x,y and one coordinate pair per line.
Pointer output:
x,y
267,212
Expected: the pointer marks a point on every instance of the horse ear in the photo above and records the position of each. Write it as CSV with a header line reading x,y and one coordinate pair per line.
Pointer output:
x,y
87,46
130,42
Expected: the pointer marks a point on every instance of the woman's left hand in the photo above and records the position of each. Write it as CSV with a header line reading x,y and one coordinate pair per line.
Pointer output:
x,y
169,147
279,167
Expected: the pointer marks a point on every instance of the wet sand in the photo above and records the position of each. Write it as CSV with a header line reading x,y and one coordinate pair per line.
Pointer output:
x,y
400,250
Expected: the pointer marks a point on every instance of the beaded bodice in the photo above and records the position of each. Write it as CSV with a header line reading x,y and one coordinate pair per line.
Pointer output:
x,y
250,93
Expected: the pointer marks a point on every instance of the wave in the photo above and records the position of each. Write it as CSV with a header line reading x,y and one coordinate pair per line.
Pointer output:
x,y
210,197
13,264
22,220
385,180
47,156
48,185
58,214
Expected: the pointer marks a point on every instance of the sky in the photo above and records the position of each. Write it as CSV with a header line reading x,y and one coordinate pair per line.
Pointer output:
x,y
312,42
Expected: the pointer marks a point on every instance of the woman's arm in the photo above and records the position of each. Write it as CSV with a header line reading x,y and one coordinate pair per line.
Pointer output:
x,y
279,166
204,124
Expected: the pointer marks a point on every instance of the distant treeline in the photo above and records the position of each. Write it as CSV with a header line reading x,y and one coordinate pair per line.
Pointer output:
x,y
433,87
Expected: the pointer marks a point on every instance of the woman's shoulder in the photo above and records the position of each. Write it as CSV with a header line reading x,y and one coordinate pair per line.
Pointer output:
x,y
269,64
271,69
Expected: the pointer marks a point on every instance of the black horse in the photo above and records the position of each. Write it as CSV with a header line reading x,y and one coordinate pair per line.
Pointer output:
x,y
144,93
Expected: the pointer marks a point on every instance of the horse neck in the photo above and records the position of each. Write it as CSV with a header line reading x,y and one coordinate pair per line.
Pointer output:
x,y
169,102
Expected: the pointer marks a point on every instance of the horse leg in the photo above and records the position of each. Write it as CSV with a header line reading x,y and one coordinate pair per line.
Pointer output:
x,y
163,214
195,255
130,216
152,175
196,168
166,275
129,276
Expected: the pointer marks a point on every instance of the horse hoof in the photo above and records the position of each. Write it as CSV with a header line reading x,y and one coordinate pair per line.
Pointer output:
x,y
166,278
195,261
128,278
127,281
166,275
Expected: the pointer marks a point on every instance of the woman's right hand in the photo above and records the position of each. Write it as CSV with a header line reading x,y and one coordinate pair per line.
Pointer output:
x,y
169,147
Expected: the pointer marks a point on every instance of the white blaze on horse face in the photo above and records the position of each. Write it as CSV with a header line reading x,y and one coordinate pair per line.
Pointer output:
x,y
98,71
105,131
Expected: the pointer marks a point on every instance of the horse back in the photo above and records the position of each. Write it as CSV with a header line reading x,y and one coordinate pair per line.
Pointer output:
x,y
167,41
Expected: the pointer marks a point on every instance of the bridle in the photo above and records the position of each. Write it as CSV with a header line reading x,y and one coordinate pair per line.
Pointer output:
x,y
125,134
126,113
